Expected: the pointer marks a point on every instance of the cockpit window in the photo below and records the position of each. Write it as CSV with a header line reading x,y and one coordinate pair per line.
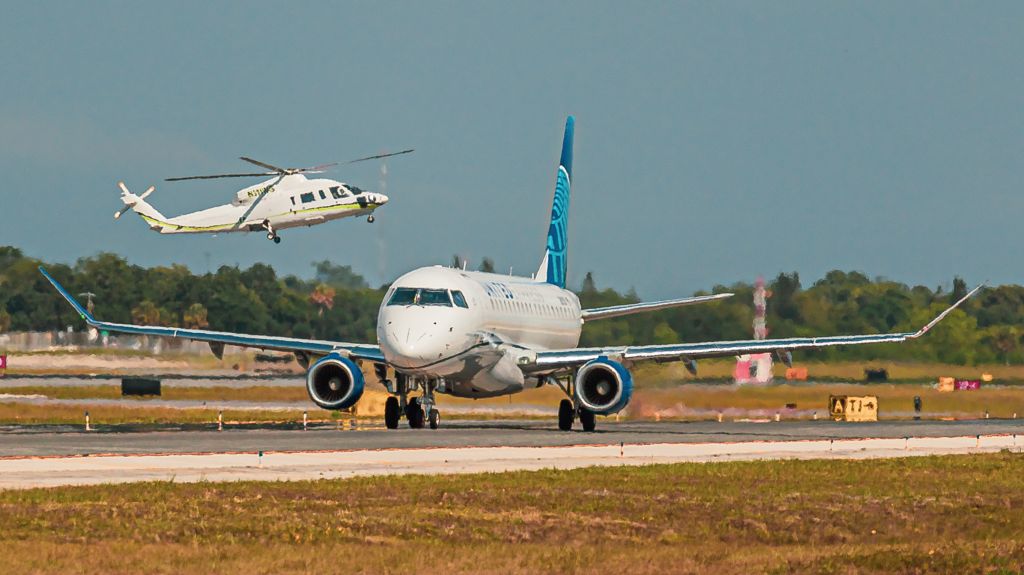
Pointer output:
x,y
337,192
355,191
403,296
435,297
459,299
415,296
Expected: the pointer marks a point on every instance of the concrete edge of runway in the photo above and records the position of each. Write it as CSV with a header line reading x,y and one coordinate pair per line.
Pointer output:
x,y
53,471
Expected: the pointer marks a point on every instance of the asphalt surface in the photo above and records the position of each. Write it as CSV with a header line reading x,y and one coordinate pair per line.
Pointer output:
x,y
57,440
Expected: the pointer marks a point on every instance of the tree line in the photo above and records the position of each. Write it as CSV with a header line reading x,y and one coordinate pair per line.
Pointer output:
x,y
336,303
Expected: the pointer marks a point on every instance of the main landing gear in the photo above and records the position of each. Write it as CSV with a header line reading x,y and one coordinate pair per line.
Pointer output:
x,y
271,233
567,414
418,411
568,411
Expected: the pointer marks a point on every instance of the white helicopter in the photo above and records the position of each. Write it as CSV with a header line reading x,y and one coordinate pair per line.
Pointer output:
x,y
287,200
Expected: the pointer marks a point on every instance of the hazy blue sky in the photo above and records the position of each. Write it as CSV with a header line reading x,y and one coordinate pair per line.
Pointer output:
x,y
714,141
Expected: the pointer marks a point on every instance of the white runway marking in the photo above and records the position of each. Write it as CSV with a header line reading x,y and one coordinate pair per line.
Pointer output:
x,y
27,472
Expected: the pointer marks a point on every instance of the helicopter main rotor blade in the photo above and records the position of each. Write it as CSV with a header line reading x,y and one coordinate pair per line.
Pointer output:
x,y
378,156
222,176
323,167
265,165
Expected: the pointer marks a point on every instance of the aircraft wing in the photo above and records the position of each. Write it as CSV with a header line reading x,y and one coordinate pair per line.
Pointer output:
x,y
631,308
218,339
558,359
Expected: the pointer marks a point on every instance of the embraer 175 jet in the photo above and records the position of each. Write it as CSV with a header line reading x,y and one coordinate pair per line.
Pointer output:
x,y
472,334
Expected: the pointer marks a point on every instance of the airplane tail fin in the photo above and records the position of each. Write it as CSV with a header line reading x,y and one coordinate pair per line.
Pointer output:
x,y
553,267
139,205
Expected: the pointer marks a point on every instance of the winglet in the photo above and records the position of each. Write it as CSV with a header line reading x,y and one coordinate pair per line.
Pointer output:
x,y
942,315
71,300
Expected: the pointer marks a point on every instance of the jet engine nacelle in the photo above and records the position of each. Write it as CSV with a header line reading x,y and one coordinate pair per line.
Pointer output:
x,y
334,382
603,386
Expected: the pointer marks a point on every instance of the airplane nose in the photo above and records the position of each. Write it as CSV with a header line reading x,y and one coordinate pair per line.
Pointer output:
x,y
381,199
408,346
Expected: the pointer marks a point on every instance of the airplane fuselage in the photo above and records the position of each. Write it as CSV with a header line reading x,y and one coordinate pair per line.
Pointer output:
x,y
468,328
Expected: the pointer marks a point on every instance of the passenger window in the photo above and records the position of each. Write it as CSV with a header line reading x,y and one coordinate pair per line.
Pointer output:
x,y
307,197
323,196
293,200
459,299
336,193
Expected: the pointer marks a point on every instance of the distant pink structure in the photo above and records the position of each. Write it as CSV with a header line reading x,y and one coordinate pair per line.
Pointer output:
x,y
757,367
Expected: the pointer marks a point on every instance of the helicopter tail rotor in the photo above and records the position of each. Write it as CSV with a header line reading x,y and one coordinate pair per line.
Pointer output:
x,y
130,199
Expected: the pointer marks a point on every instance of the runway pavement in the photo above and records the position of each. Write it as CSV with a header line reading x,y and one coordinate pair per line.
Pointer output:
x,y
67,440
53,457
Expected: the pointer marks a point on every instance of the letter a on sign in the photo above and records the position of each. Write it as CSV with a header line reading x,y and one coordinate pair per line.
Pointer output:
x,y
837,405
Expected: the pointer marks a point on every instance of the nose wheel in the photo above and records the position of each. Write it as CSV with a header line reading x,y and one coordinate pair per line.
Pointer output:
x,y
271,233
370,219
414,414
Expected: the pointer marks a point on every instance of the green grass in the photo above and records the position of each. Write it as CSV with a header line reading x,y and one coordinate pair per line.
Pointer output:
x,y
923,515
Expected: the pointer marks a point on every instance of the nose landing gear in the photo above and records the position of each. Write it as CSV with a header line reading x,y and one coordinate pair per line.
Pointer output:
x,y
271,233
418,411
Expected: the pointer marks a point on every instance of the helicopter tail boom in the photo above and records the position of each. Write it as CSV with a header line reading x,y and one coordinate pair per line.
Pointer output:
x,y
139,205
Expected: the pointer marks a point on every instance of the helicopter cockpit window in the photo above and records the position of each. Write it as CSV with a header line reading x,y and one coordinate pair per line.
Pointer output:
x,y
459,299
307,197
355,191
337,192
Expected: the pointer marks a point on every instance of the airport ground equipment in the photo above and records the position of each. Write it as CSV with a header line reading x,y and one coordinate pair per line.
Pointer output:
x,y
287,200
140,386
449,331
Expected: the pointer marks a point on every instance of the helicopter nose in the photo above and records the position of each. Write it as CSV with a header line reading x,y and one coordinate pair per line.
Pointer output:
x,y
380,199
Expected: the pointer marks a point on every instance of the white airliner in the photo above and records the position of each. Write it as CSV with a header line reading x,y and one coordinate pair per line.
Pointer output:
x,y
287,200
471,334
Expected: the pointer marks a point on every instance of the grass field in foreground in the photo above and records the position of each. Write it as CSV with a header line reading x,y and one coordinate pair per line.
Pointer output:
x,y
953,514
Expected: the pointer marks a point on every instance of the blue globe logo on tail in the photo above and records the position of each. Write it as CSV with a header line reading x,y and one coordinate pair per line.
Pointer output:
x,y
558,231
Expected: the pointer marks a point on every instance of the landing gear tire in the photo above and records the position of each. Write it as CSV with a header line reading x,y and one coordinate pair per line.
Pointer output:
x,y
392,413
277,239
435,419
270,236
370,219
588,419
566,414
414,414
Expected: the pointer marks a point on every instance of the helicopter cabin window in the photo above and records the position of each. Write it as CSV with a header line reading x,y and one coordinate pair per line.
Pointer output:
x,y
459,299
323,196
293,200
337,192
307,197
